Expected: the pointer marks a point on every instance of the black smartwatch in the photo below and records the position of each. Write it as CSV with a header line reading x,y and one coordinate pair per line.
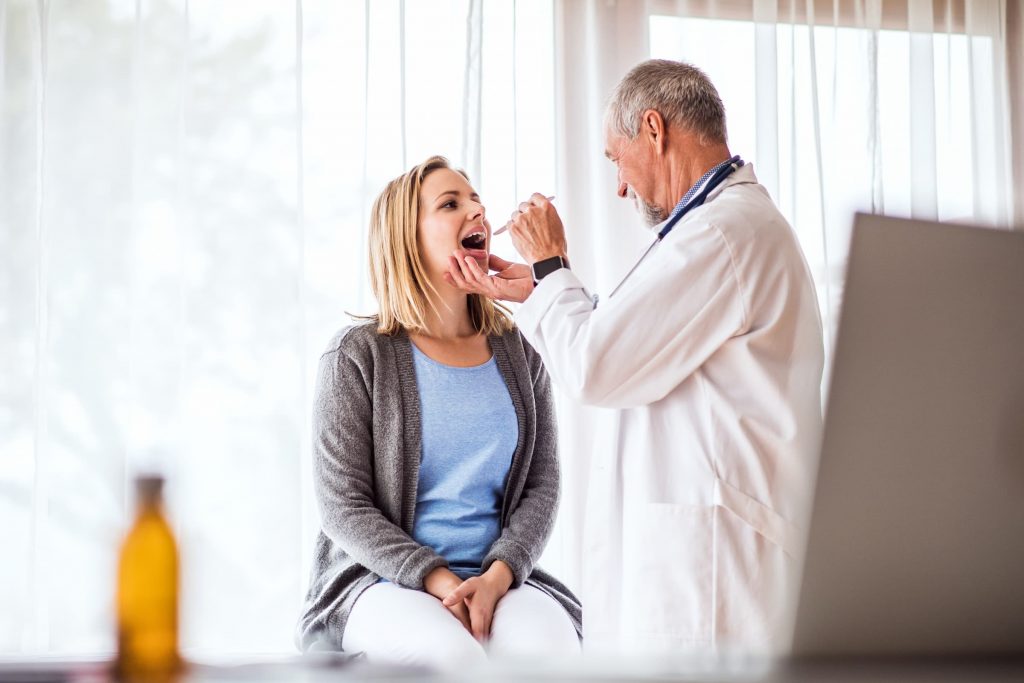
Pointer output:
x,y
546,267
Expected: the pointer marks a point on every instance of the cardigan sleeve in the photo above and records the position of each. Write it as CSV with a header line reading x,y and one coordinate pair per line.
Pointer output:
x,y
523,539
343,452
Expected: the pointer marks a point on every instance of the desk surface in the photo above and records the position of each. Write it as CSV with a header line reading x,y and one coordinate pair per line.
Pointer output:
x,y
338,670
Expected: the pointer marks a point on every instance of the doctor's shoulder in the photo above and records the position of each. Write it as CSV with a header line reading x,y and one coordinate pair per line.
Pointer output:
x,y
747,216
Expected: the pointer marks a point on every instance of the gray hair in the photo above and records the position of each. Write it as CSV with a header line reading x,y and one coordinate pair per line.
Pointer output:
x,y
680,92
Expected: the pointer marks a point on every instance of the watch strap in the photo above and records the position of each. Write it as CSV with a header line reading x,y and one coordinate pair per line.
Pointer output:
x,y
545,267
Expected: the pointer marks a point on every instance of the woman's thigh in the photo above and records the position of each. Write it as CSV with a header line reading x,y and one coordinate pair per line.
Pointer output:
x,y
528,621
395,624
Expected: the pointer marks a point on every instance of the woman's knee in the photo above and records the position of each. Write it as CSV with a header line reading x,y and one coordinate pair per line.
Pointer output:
x,y
530,622
441,650
394,624
543,638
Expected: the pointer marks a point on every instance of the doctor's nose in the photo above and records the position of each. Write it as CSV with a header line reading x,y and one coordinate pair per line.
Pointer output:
x,y
623,190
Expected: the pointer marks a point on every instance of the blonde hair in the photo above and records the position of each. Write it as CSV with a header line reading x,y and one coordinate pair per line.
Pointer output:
x,y
397,275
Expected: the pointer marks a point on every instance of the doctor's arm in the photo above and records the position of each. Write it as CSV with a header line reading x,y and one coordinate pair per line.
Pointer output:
x,y
634,348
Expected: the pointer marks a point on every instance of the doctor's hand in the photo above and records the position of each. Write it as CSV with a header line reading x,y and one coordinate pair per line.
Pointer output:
x,y
510,282
537,231
481,595
440,582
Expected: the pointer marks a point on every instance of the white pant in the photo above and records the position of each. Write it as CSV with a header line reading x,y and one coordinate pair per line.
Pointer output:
x,y
394,624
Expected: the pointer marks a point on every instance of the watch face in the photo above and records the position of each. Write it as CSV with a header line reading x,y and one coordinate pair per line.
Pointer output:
x,y
547,266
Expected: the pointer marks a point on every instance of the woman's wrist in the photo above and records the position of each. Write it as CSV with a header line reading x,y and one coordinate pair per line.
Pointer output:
x,y
500,575
440,582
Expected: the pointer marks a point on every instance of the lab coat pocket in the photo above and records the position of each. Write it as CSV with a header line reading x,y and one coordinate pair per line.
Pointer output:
x,y
671,581
759,562
759,517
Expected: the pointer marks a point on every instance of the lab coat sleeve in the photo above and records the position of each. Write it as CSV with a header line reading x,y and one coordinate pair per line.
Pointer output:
x,y
343,478
523,539
680,306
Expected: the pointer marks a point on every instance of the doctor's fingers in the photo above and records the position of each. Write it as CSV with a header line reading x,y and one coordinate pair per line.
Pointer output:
x,y
517,215
457,273
499,264
469,277
538,228
475,276
457,276
536,199
528,221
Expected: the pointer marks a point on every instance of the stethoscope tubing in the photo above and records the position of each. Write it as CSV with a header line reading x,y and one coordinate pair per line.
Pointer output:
x,y
697,200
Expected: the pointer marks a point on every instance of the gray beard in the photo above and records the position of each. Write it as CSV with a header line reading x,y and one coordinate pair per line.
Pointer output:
x,y
651,213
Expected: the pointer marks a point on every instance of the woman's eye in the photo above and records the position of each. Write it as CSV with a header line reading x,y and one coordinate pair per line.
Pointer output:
x,y
450,204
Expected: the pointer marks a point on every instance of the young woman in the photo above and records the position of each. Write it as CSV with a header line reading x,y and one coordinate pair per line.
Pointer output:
x,y
434,455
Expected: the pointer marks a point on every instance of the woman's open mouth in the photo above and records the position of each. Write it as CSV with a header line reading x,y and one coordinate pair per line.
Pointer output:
x,y
474,241
475,245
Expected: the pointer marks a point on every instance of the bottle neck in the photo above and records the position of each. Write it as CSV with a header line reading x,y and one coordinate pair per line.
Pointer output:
x,y
149,506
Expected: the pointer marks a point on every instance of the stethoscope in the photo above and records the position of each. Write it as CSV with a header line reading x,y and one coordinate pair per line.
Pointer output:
x,y
696,200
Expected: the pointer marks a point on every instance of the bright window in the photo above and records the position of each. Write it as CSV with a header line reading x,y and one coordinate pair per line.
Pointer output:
x,y
890,127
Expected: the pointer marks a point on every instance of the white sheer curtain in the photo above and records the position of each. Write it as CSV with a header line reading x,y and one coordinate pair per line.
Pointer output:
x,y
183,197
900,107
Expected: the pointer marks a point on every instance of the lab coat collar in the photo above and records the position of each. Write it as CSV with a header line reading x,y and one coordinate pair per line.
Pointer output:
x,y
744,174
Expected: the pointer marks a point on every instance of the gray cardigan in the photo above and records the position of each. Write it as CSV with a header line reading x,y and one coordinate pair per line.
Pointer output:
x,y
366,454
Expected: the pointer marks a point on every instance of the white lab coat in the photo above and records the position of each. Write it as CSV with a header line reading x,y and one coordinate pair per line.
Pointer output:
x,y
711,353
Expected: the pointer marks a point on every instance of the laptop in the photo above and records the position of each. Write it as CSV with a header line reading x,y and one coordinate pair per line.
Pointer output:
x,y
916,541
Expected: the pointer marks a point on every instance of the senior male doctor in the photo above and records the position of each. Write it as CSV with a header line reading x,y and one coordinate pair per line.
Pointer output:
x,y
711,353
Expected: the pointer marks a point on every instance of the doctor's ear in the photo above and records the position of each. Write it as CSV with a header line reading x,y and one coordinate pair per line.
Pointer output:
x,y
652,128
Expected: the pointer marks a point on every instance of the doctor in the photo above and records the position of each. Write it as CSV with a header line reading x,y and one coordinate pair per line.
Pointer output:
x,y
710,352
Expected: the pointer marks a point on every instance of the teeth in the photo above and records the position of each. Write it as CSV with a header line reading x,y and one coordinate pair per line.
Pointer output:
x,y
473,238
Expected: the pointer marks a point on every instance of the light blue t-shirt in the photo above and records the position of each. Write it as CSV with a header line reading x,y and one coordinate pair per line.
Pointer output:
x,y
469,431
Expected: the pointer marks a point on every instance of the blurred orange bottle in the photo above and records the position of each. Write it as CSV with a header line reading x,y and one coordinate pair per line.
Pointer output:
x,y
147,591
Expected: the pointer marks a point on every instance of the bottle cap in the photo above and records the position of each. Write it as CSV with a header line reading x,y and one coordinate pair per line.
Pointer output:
x,y
149,488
